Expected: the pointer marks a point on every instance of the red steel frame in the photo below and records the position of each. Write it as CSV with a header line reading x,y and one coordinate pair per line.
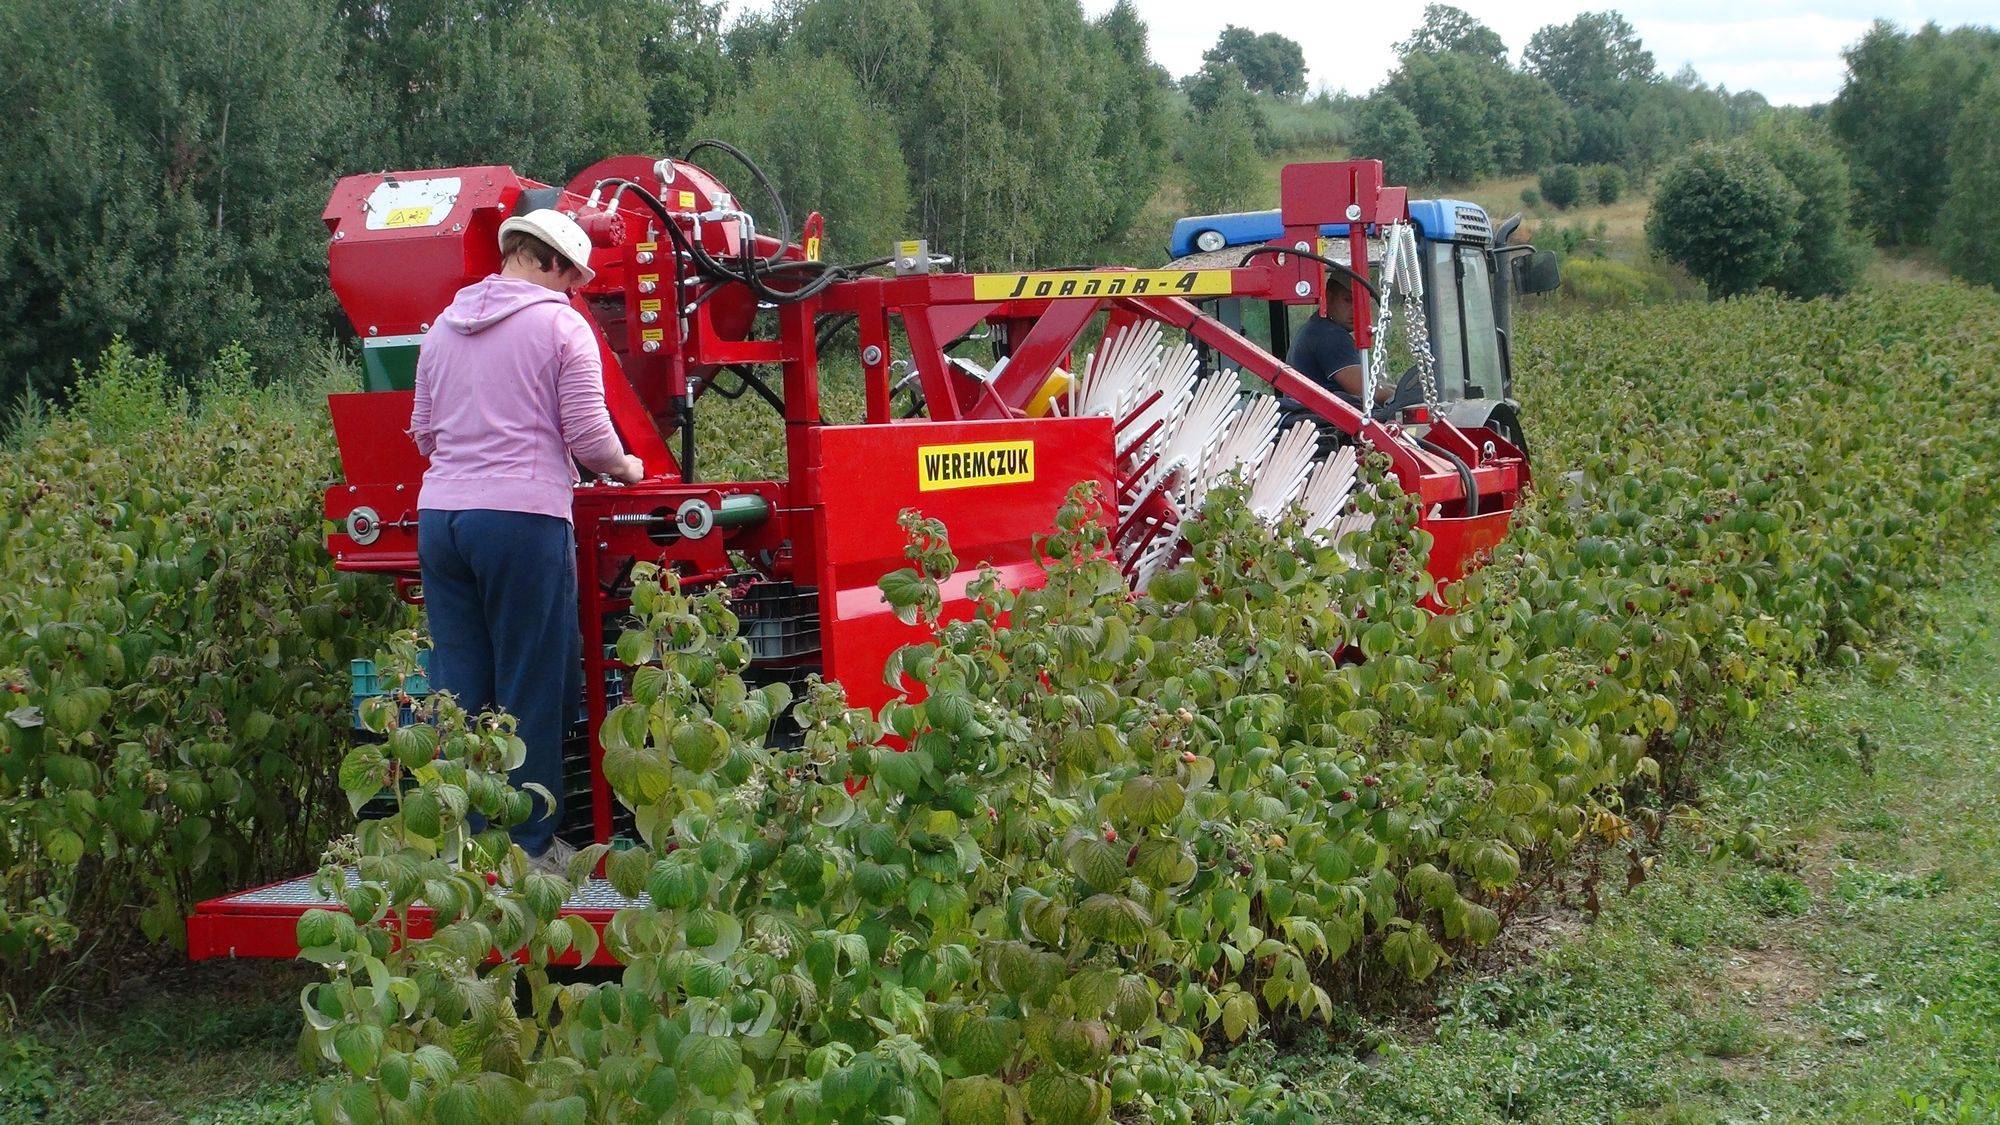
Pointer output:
x,y
663,335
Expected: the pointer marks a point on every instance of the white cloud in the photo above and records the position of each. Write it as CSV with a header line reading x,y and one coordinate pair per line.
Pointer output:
x,y
1788,50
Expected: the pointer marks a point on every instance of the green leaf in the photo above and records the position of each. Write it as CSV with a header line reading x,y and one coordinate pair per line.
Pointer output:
x,y
1113,918
359,1046
710,1063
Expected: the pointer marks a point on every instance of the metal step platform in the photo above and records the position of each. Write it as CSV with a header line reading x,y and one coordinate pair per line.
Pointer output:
x,y
263,921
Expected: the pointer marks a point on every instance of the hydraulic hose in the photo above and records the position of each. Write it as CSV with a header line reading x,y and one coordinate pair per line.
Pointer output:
x,y
1464,474
1259,251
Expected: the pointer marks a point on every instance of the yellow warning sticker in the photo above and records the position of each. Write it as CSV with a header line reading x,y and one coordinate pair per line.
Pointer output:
x,y
812,249
974,464
687,201
1100,283
650,304
652,334
408,217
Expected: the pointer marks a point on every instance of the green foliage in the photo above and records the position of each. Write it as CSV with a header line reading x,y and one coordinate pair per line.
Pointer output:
x,y
1599,282
1726,215
1895,116
1100,830
1531,197
1446,28
173,652
1966,238
1387,131
1607,183
1825,256
168,164
1219,157
808,123
1594,60
1269,63
1562,185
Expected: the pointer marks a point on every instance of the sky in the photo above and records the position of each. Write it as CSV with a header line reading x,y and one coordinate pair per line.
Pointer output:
x,y
1786,50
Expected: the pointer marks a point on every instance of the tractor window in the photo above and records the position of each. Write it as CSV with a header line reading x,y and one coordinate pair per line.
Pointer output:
x,y
1447,322
1484,376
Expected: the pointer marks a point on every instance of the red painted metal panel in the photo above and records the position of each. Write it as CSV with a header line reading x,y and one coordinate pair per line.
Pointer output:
x,y
372,430
868,475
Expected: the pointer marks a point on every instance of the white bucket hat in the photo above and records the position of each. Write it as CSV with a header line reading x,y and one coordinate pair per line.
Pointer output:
x,y
559,231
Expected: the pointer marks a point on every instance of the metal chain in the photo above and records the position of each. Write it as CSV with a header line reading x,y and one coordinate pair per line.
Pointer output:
x,y
1402,272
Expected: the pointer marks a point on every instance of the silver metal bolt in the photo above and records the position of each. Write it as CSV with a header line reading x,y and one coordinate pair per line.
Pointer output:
x,y
424,327
1300,245
1302,288
645,257
372,330
648,317
1353,212
871,355
651,346
338,235
647,287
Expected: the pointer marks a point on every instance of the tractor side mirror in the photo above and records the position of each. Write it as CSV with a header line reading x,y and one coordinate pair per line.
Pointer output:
x,y
1539,272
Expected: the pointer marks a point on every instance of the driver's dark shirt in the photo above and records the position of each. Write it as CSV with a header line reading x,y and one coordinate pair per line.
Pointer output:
x,y
1319,350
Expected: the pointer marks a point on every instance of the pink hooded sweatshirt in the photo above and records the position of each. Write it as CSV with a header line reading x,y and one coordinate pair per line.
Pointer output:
x,y
509,389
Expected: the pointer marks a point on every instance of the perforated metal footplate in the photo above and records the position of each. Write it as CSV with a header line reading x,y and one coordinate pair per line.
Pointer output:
x,y
595,894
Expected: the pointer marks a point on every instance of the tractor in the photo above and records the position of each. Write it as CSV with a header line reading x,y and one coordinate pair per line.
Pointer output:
x,y
1140,381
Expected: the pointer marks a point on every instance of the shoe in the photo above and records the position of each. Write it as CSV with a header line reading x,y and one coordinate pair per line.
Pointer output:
x,y
554,859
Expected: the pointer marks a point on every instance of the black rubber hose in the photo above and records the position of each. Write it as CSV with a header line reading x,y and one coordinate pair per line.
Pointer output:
x,y
770,189
1464,474
1259,251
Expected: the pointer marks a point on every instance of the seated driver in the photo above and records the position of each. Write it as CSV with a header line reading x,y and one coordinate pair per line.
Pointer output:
x,y
1324,350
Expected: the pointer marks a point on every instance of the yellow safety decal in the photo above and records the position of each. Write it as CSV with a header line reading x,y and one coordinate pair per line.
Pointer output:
x,y
974,464
408,217
651,334
650,304
647,247
687,201
909,249
1100,283
812,249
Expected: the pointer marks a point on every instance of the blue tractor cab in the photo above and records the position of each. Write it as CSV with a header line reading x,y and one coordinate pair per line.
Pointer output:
x,y
1473,276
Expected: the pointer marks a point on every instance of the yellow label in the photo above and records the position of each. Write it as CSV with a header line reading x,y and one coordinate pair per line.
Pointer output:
x,y
909,249
650,304
652,334
1100,283
687,201
812,249
647,247
652,277
408,217
974,464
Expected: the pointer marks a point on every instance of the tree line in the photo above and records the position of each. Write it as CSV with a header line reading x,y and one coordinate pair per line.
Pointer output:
x,y
1908,152
168,163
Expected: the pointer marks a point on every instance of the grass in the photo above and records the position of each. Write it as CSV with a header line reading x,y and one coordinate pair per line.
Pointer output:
x,y
210,1043
1843,966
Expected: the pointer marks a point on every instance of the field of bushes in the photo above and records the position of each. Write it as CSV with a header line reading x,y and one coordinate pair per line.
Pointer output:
x,y
1104,839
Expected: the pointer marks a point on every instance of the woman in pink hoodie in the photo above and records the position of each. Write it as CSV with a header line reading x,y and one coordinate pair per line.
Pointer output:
x,y
509,398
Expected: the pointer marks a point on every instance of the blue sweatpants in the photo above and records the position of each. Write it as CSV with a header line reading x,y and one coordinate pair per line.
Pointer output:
x,y
500,592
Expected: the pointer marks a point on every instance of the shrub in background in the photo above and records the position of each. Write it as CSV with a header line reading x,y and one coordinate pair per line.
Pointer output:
x,y
1826,255
1607,183
1562,185
1725,214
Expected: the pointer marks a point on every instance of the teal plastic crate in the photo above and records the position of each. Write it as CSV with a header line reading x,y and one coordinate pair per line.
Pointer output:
x,y
365,683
